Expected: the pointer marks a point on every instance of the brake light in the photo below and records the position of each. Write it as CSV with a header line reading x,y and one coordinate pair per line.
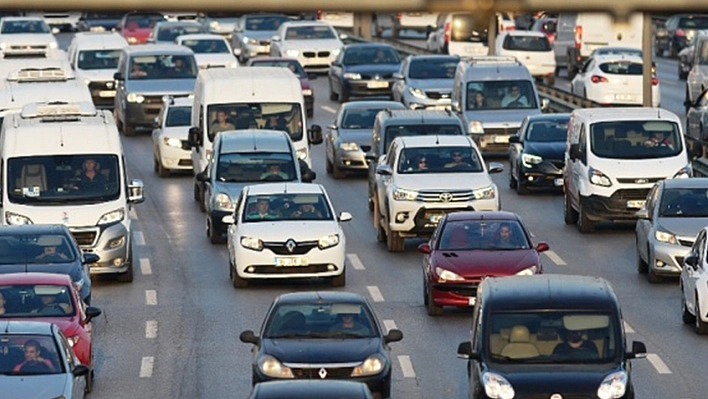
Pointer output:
x,y
448,32
680,32
319,14
398,15
598,79
654,81
578,36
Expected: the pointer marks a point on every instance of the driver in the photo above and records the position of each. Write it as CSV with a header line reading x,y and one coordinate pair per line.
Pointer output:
x,y
514,98
274,173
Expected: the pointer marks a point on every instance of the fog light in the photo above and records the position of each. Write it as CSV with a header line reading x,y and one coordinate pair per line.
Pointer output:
x,y
401,217
331,268
250,269
530,178
348,163
660,263
117,262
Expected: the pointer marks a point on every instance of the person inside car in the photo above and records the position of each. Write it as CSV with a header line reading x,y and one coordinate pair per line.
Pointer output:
x,y
221,123
307,211
657,140
274,173
458,161
51,254
32,354
576,346
348,323
90,178
263,211
52,306
514,98
504,238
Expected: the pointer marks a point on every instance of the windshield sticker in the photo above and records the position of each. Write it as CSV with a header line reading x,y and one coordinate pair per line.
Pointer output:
x,y
30,191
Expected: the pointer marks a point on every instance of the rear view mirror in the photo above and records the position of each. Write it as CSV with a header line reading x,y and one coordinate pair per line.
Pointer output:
x,y
309,176
237,52
315,134
91,313
514,139
574,151
202,177
249,337
397,76
464,351
117,76
194,139
275,38
642,213
156,122
495,167
545,104
691,260
136,190
384,170
424,248
639,350
370,156
228,219
542,247
345,217
394,335
90,258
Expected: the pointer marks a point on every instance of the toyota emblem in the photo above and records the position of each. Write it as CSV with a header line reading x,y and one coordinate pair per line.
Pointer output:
x,y
445,197
322,373
290,245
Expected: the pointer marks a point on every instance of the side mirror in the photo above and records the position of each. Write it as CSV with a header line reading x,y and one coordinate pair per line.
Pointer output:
x,y
91,313
574,151
228,219
275,38
156,122
249,337
398,76
495,167
90,258
691,260
117,76
384,170
194,138
545,104
455,106
80,370
237,52
345,217
542,247
309,176
642,213
424,248
464,351
136,190
315,134
394,335
639,350
514,139
202,177
343,36
370,156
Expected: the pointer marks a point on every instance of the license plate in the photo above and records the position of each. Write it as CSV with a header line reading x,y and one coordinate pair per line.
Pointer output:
x,y
558,182
376,85
107,93
624,97
471,301
501,139
476,50
636,204
291,262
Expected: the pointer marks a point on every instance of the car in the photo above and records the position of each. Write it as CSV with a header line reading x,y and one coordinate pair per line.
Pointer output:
x,y
547,26
675,212
59,21
417,21
363,70
536,153
136,27
181,15
617,50
348,139
308,389
59,374
170,149
98,21
305,336
253,33
425,81
614,80
423,178
697,118
468,247
210,51
693,283
220,23
25,36
297,69
165,32
286,230
338,19
679,28
462,34
687,54
51,298
314,44
533,50
696,78
46,248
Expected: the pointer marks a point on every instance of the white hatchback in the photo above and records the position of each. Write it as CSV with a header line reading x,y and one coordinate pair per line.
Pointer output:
x,y
694,285
531,49
169,138
25,36
285,230
210,51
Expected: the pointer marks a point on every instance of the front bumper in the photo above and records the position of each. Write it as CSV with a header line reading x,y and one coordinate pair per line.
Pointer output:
x,y
413,218
110,243
251,264
351,160
413,102
615,207
103,93
668,258
548,174
176,158
314,63
254,50
454,294
367,88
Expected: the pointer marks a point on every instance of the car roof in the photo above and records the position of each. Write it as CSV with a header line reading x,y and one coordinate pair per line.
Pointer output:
x,y
35,278
490,68
291,24
99,40
321,296
419,117
25,327
254,140
150,49
478,215
624,114
372,104
27,18
369,45
695,182
200,36
435,141
285,188
33,229
170,24
306,389
425,57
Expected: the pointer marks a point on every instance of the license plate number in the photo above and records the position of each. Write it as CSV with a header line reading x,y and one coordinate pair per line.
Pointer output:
x,y
624,97
558,182
471,301
107,93
501,139
636,204
376,85
290,262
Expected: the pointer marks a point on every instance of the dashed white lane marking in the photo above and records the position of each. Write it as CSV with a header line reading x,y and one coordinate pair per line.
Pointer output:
x,y
406,366
555,258
132,214
390,325
628,329
151,297
146,367
329,109
151,329
139,238
145,267
375,293
658,364
355,262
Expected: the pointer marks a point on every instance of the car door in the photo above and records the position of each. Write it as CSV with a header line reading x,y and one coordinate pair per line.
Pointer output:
x,y
645,227
332,134
580,80
399,85
689,275
384,183
577,166
335,73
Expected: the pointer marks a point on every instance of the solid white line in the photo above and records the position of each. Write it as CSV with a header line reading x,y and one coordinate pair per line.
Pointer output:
x,y
390,325
355,262
658,364
151,329
133,215
145,267
139,238
406,366
555,258
375,293
151,297
146,367
627,328
329,109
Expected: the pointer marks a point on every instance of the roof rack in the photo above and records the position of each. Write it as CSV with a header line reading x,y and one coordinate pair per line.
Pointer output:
x,y
491,59
47,74
58,110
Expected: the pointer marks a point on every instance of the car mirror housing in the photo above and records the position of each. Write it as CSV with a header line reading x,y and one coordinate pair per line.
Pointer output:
x,y
228,219
80,370
542,247
514,139
394,335
309,176
202,177
495,167
639,350
249,337
117,76
92,312
89,258
136,190
397,76
545,104
194,138
691,260
275,38
574,151
464,351
369,156
424,248
642,213
345,217
384,170
315,134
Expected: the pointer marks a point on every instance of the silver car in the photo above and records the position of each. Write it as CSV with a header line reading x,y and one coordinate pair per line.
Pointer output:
x,y
253,32
675,211
166,32
36,361
425,81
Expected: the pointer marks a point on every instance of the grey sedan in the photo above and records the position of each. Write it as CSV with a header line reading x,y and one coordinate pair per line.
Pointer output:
x,y
349,136
697,118
674,213
425,81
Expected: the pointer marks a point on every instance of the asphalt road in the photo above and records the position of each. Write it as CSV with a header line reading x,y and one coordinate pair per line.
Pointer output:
x,y
174,331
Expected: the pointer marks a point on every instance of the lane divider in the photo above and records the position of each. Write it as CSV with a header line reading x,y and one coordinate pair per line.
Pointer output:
x,y
151,329
329,109
146,367
355,262
389,325
151,297
658,364
139,238
555,258
406,366
375,293
145,267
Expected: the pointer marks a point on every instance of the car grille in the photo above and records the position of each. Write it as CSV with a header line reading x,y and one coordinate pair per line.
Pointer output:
x,y
85,237
264,42
640,180
630,194
445,196
437,95
279,248
312,54
185,162
314,372
365,148
381,76
546,396
685,243
558,164
25,48
95,86
271,269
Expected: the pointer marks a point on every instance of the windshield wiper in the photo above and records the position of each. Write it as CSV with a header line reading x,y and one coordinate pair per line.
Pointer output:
x,y
292,335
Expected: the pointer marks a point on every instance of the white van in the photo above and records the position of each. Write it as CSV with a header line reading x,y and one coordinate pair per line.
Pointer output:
x,y
613,158
64,163
247,98
578,34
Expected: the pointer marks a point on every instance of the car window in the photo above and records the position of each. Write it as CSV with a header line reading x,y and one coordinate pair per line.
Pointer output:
x,y
370,55
207,46
526,43
470,235
621,68
98,59
162,66
179,116
29,354
277,116
321,320
439,160
547,131
468,28
359,118
309,33
142,21
36,249
287,207
432,68
635,139
170,33
684,202
250,167
293,65
265,23
37,300
24,26
693,22
488,95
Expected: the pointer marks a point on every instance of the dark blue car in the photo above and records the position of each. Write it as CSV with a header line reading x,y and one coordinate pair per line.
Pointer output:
x,y
363,70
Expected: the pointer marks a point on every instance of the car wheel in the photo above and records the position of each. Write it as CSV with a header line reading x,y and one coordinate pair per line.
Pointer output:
x,y
681,74
89,381
673,52
701,327
128,130
521,188
202,204
425,290
154,165
642,266
237,281
513,183
431,307
658,51
214,236
338,173
126,276
162,171
341,280
329,166
332,94
556,72
686,316
310,112
585,225
570,215
342,97
394,242
380,232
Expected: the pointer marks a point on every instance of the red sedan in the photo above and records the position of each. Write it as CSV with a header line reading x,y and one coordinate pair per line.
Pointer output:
x,y
50,298
135,27
467,247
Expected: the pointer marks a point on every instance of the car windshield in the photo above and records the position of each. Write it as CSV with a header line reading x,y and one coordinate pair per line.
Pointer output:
x,y
293,65
27,354
163,66
501,94
495,235
63,179
265,23
359,118
693,22
98,59
251,167
24,26
275,116
684,203
433,68
439,159
320,320
36,249
468,28
370,55
207,46
309,33
621,68
286,207
37,300
550,337
170,33
178,116
547,131
526,43
635,139
394,131
142,21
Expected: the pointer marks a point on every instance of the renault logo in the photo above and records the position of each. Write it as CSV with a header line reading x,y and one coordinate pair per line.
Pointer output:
x,y
641,181
556,396
322,373
445,197
290,245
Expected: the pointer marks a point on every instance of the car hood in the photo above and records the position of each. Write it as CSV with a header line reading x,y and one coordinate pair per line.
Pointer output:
x,y
96,75
281,231
35,387
432,84
179,132
444,181
28,39
554,150
486,263
317,44
359,136
321,350
500,117
215,59
161,86
259,34
682,227
233,189
373,69
567,379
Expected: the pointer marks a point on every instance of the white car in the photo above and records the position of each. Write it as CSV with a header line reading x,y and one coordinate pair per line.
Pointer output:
x,y
338,19
25,36
285,230
210,51
59,20
460,33
531,49
694,285
416,21
614,79
169,138
314,44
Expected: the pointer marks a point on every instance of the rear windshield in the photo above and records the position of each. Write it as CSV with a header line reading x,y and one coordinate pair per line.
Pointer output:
x,y
693,22
621,68
143,21
487,95
526,43
98,59
309,32
265,23
419,130
635,139
547,131
179,116
207,46
293,65
467,28
439,160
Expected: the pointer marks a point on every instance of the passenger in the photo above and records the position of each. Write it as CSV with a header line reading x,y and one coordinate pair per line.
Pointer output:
x,y
348,323
479,101
576,346
504,238
458,161
307,211
32,354
274,173
514,98
137,71
382,57
221,123
91,179
179,68
421,164
51,254
262,211
50,306
657,139
276,122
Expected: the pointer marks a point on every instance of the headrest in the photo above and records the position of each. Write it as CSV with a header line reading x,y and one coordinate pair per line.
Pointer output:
x,y
519,334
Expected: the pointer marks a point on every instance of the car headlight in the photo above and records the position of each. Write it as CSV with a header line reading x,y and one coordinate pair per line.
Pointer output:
x,y
306,92
73,340
3,45
328,241
235,64
351,76
172,142
401,194
684,173
132,39
248,40
301,153
112,217
665,236
528,271
15,219
598,178
488,192
613,386
134,98
476,127
373,364
417,92
336,52
292,53
529,159
497,387
223,201
272,367
53,45
97,29
446,275
349,146
252,243
214,24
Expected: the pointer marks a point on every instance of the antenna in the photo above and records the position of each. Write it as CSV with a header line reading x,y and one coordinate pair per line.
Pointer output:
x,y
253,136
437,139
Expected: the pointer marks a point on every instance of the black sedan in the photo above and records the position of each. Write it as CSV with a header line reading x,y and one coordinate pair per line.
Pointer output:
x,y
323,335
363,70
536,153
310,389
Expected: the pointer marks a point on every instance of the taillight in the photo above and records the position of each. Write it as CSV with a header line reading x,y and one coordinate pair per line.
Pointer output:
x,y
654,81
319,14
398,15
578,36
680,32
510,27
598,79
448,32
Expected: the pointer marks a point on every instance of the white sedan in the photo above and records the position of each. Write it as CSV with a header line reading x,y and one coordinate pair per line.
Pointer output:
x,y
210,51
25,36
315,44
531,49
285,230
694,285
169,138
613,79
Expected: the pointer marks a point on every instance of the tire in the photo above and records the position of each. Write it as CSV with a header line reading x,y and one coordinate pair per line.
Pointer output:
x,y
556,72
513,183
89,381
700,326
196,192
521,189
310,112
155,167
236,281
162,171
342,97
642,266
341,280
332,94
681,74
202,205
329,166
431,307
214,236
394,242
686,316
395,32
380,231
585,225
338,173
658,51
673,52
570,215
571,70
126,276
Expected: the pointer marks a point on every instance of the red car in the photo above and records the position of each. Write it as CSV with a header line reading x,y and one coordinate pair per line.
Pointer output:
x,y
294,66
50,298
467,247
546,26
135,27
